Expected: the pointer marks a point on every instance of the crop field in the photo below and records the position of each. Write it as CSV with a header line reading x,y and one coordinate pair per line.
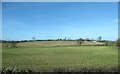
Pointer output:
x,y
50,58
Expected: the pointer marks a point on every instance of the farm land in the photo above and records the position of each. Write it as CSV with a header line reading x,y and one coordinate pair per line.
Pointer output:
x,y
54,56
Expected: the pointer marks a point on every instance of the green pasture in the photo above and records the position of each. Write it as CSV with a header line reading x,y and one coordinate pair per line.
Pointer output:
x,y
48,58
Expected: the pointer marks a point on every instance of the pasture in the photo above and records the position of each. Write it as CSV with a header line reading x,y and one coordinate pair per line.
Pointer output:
x,y
42,58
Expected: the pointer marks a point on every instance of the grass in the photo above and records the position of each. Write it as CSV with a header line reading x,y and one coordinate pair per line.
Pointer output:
x,y
49,58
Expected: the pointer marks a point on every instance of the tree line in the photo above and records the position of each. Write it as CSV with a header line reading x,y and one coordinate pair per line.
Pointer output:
x,y
80,41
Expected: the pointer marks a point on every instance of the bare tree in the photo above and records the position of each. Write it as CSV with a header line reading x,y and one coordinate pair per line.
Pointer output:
x,y
99,39
33,38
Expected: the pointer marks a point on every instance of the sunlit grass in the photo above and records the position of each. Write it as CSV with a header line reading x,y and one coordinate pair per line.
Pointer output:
x,y
48,58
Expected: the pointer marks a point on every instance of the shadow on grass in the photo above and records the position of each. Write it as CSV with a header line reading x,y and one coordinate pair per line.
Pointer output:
x,y
101,70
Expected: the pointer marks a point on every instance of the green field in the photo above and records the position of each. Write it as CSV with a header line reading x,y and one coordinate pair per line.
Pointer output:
x,y
48,58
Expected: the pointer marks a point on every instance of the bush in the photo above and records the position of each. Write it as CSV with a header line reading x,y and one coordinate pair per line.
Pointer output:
x,y
14,44
9,44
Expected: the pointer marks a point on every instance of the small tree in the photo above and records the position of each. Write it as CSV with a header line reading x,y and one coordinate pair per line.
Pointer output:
x,y
34,38
99,39
80,41
87,39
65,39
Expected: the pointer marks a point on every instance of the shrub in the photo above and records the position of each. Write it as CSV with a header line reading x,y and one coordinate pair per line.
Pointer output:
x,y
9,44
14,44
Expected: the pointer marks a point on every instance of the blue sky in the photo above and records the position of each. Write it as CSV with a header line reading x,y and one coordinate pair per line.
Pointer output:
x,y
53,20
0,20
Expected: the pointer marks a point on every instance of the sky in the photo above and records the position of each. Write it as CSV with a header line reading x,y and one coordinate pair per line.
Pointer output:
x,y
0,21
53,20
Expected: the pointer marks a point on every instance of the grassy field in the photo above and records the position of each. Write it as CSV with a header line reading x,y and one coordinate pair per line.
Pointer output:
x,y
49,58
57,43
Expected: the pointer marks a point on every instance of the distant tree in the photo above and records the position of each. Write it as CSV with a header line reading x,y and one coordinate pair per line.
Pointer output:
x,y
87,39
80,41
99,38
57,39
60,39
33,38
65,39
